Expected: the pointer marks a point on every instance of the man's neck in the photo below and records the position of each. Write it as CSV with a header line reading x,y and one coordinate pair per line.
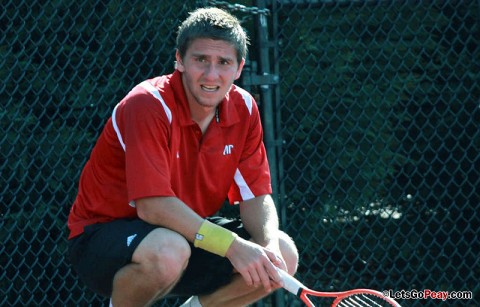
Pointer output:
x,y
203,116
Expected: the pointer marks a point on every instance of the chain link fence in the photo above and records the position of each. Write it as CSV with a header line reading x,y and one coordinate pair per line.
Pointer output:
x,y
371,111
380,123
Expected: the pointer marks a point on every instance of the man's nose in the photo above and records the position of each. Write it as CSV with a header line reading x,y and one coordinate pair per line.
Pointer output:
x,y
212,71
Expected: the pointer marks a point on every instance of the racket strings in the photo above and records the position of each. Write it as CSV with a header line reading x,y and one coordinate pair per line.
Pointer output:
x,y
363,300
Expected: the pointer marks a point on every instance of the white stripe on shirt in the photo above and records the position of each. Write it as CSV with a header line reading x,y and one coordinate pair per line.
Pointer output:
x,y
247,98
115,126
154,91
245,191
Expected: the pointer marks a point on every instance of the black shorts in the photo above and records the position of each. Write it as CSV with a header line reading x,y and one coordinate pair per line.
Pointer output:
x,y
102,250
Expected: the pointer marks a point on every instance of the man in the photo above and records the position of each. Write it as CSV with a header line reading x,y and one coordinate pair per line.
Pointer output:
x,y
143,225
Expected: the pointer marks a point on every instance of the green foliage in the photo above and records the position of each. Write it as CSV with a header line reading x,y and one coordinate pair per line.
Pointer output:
x,y
381,100
348,77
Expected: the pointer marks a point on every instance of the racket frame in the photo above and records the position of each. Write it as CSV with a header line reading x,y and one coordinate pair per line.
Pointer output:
x,y
292,285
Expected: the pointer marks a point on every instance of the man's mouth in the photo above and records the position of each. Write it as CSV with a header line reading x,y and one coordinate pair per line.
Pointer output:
x,y
208,88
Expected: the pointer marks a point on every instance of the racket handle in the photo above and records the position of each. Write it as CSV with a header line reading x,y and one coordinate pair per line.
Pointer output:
x,y
290,283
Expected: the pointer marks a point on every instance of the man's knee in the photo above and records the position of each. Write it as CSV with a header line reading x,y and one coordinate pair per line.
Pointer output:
x,y
289,252
164,254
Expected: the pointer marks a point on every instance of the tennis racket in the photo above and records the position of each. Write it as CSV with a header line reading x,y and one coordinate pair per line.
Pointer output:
x,y
357,297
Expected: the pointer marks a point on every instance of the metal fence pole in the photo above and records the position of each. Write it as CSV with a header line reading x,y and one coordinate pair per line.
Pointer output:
x,y
266,92
267,97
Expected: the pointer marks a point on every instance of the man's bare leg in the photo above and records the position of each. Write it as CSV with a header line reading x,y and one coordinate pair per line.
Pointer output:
x,y
229,294
157,265
238,293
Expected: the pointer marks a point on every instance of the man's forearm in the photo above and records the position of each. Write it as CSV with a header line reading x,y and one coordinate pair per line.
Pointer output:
x,y
171,213
260,219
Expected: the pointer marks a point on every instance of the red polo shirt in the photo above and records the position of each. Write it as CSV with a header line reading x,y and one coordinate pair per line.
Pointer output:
x,y
151,147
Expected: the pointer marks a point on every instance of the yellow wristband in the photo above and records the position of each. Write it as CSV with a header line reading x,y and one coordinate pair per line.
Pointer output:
x,y
214,238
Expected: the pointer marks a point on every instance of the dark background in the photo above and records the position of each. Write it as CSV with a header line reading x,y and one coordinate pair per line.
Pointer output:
x,y
371,116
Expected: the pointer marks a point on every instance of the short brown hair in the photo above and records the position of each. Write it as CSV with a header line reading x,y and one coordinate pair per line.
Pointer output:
x,y
212,23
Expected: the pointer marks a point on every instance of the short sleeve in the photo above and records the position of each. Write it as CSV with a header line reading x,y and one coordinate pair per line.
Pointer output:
x,y
252,177
145,129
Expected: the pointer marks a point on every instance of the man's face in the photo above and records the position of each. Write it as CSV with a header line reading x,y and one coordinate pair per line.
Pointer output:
x,y
208,68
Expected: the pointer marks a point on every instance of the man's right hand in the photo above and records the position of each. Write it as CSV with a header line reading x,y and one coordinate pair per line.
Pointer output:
x,y
256,264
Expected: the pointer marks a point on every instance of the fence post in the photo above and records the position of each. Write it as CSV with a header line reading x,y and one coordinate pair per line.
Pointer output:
x,y
266,92
267,104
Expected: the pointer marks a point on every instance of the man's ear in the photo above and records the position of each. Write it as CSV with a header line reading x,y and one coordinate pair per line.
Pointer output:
x,y
179,62
239,69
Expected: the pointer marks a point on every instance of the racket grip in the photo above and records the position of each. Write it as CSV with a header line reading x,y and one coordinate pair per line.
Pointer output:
x,y
290,283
